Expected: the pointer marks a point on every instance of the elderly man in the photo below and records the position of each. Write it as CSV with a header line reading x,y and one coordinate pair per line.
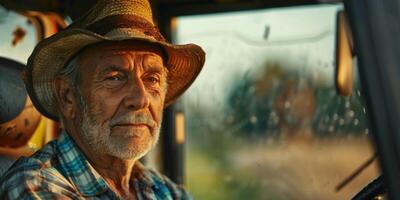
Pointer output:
x,y
106,78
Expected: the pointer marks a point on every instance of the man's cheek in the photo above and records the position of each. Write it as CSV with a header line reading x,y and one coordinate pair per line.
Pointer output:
x,y
105,108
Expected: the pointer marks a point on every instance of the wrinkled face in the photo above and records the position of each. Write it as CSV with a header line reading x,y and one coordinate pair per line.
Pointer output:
x,y
121,98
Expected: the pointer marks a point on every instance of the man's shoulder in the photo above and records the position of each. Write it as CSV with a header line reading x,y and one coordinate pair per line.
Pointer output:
x,y
36,173
42,160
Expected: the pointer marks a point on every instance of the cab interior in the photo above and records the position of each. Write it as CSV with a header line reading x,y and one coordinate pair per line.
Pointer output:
x,y
292,103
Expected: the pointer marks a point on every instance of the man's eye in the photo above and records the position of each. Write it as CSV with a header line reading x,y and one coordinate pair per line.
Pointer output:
x,y
115,76
152,80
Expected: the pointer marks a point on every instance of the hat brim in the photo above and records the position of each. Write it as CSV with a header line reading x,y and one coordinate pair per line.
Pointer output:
x,y
184,63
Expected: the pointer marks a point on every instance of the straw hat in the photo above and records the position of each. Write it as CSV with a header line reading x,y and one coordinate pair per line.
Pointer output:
x,y
108,20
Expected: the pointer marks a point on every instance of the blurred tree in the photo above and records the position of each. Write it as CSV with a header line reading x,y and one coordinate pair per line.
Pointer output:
x,y
280,101
250,102
339,115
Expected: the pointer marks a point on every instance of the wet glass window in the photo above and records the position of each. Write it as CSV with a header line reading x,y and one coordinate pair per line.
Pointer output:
x,y
263,119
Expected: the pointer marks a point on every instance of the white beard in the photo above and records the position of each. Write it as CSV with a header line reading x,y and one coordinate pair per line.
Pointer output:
x,y
101,140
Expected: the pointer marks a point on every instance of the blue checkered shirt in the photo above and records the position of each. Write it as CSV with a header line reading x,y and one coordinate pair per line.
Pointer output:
x,y
60,171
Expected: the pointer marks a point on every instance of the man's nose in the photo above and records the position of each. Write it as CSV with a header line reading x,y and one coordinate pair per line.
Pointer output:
x,y
137,97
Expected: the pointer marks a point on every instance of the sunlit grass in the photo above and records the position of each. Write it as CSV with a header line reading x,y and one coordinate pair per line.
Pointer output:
x,y
305,168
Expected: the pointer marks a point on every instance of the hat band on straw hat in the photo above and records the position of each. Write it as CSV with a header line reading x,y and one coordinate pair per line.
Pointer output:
x,y
109,23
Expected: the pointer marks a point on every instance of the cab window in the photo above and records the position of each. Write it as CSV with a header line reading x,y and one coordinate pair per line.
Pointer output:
x,y
263,119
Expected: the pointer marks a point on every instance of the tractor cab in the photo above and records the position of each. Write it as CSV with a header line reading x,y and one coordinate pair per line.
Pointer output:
x,y
297,99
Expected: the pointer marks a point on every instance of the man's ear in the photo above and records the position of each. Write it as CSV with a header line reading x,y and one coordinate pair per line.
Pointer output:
x,y
66,102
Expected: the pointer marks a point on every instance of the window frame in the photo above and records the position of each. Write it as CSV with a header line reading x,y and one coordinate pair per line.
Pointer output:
x,y
376,45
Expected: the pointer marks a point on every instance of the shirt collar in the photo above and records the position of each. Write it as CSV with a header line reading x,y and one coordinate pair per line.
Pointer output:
x,y
88,181
78,169
148,183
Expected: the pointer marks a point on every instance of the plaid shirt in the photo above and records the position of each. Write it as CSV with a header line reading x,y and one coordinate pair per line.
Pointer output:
x,y
60,171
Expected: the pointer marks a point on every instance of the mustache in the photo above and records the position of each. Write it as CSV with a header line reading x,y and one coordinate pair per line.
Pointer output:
x,y
134,118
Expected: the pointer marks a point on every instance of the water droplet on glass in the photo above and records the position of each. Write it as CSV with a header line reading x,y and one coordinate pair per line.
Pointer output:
x,y
335,117
287,104
253,119
350,113
331,128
